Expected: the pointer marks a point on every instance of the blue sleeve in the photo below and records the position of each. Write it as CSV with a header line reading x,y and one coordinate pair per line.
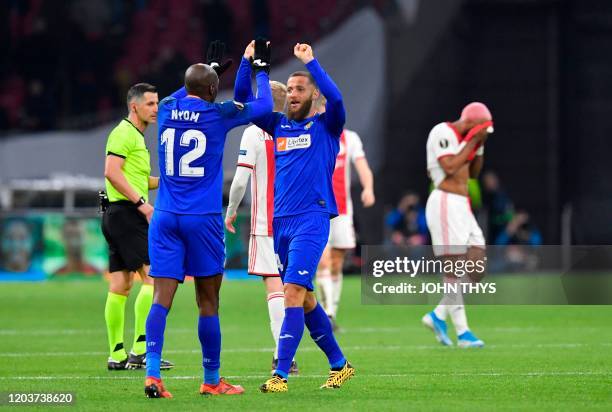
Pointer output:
x,y
535,239
393,219
334,116
243,92
502,238
245,113
180,93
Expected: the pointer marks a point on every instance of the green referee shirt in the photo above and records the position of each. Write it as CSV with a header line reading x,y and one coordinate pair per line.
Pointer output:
x,y
128,142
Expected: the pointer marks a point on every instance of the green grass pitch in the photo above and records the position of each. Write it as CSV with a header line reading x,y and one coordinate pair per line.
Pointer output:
x,y
52,338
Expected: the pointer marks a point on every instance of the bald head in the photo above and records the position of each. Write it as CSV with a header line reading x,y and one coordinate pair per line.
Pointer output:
x,y
201,80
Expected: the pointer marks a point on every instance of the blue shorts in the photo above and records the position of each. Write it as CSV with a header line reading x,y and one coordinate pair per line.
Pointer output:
x,y
182,245
299,242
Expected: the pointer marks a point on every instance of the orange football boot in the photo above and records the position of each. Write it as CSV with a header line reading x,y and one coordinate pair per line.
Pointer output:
x,y
222,388
154,388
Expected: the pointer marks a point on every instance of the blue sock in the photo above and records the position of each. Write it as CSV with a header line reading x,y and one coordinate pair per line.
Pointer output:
x,y
289,340
209,332
321,332
154,332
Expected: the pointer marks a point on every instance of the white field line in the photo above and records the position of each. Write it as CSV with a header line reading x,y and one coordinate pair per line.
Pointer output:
x,y
314,349
264,376
102,331
364,330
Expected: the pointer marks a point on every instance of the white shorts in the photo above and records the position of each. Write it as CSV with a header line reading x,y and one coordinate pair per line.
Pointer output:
x,y
342,232
262,259
452,224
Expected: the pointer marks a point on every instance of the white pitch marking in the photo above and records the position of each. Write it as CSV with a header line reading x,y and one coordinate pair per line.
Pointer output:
x,y
314,349
398,375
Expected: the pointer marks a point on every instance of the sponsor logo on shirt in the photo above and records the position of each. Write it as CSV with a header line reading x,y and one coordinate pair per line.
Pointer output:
x,y
243,152
284,144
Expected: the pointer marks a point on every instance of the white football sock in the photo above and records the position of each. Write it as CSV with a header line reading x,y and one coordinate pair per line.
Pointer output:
x,y
447,300
337,282
276,310
326,286
457,312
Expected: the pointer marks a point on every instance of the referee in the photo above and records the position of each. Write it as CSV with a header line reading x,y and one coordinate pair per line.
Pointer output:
x,y
125,225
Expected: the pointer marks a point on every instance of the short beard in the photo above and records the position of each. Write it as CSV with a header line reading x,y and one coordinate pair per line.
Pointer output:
x,y
302,113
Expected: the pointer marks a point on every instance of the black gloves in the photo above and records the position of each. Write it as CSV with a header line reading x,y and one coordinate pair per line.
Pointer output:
x,y
214,56
261,59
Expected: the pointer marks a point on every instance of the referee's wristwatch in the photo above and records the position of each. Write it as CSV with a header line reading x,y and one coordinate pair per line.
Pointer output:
x,y
140,201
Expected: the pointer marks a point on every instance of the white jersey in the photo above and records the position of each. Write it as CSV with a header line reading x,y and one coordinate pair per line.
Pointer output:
x,y
443,141
351,149
257,153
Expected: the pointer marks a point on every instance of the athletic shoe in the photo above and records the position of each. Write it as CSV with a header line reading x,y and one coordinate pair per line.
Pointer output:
x,y
222,388
114,365
468,340
338,376
293,370
275,384
438,327
140,362
154,388
334,324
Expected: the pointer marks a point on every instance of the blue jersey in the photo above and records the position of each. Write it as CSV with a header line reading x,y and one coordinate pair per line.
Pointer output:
x,y
191,137
305,151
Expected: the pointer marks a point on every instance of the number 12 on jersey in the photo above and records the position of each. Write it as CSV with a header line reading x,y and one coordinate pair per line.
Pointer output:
x,y
167,139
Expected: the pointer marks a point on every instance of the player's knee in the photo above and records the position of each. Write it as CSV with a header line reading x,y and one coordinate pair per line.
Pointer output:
x,y
273,284
294,295
310,302
208,308
120,285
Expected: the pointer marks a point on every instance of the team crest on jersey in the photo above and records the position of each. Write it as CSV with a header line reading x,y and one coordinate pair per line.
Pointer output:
x,y
308,125
284,144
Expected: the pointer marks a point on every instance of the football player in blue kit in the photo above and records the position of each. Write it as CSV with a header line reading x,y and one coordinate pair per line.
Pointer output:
x,y
306,145
186,235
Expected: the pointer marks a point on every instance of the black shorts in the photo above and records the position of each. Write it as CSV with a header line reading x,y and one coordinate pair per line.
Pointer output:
x,y
126,230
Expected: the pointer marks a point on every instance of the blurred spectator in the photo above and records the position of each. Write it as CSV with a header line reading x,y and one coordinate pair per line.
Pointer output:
x,y
77,58
261,18
407,222
168,71
218,20
498,204
17,246
74,244
519,231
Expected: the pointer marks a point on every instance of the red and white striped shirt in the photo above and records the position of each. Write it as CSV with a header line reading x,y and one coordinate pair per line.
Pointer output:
x,y
257,153
351,149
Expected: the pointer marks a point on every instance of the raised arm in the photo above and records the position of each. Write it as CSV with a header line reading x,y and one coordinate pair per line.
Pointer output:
x,y
243,92
452,163
258,110
335,116
237,113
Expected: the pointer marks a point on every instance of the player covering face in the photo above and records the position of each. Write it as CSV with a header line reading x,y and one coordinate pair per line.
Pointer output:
x,y
455,153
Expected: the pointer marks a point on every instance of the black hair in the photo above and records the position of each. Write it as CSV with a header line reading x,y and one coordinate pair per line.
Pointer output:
x,y
138,90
